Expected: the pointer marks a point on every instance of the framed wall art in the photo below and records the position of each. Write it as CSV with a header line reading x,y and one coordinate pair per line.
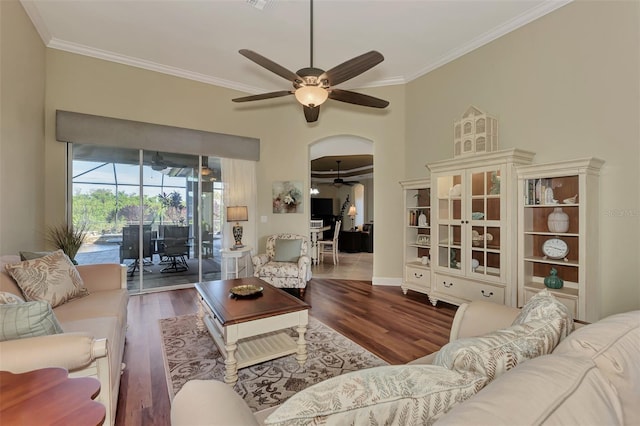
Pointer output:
x,y
287,197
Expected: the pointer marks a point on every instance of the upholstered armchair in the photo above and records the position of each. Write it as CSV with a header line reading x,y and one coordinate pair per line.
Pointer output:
x,y
286,263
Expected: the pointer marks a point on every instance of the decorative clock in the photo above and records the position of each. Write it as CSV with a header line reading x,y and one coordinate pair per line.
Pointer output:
x,y
555,248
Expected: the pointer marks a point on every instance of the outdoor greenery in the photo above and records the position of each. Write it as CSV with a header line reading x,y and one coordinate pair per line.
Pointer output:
x,y
102,212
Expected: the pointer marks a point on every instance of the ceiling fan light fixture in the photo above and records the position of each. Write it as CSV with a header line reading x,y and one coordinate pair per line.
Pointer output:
x,y
311,96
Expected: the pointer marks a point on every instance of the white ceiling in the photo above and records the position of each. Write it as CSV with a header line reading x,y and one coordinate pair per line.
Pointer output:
x,y
200,40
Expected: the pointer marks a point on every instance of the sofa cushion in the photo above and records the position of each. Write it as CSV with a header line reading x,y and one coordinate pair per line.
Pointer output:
x,y
287,250
613,344
495,353
28,319
389,394
550,390
52,278
7,298
109,303
544,306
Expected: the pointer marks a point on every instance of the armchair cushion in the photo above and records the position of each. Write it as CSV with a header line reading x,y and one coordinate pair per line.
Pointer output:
x,y
28,319
52,278
287,250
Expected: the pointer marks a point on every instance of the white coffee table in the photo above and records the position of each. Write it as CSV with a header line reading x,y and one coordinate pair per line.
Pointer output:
x,y
249,331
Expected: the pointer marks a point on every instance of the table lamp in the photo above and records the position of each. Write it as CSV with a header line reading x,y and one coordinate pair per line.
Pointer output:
x,y
352,214
237,214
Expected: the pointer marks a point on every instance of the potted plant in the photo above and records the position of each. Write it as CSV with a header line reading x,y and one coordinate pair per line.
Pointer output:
x,y
67,238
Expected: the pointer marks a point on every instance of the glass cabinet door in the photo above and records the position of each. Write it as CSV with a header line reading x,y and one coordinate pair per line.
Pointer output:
x,y
450,208
484,216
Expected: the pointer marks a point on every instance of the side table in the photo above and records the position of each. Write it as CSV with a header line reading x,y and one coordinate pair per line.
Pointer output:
x,y
48,396
235,255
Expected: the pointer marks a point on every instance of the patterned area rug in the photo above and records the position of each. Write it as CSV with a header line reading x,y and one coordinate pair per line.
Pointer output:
x,y
190,353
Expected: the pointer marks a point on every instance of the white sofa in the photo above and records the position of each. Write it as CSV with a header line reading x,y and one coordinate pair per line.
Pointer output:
x,y
94,332
591,378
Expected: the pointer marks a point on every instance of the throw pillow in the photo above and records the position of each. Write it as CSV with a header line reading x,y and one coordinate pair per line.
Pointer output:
x,y
52,278
287,250
545,306
27,319
399,394
30,255
497,352
7,298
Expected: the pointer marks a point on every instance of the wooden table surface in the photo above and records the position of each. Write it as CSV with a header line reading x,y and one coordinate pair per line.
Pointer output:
x,y
231,310
49,397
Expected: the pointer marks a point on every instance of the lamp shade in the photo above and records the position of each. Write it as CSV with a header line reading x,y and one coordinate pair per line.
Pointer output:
x,y
237,214
311,96
352,211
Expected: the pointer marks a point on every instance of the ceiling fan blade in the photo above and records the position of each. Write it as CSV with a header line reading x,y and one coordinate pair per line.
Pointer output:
x,y
263,96
357,98
270,65
353,67
311,113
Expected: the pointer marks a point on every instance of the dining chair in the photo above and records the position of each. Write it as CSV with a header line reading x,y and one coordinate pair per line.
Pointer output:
x,y
330,245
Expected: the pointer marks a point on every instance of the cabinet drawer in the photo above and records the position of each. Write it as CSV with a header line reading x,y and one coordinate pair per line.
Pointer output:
x,y
486,292
571,302
417,276
449,285
468,290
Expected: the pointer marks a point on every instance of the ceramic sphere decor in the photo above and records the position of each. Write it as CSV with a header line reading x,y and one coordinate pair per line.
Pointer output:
x,y
558,220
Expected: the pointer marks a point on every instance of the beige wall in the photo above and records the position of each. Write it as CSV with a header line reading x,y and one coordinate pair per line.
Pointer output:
x,y
82,84
22,76
565,86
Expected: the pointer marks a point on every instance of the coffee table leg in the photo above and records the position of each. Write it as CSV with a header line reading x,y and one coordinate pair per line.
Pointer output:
x,y
301,356
231,365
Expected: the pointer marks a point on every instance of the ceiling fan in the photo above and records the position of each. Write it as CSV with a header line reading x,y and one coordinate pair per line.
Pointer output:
x,y
338,181
312,86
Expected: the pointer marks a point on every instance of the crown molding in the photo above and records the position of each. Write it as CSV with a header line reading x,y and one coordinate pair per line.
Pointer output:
x,y
148,65
497,32
33,14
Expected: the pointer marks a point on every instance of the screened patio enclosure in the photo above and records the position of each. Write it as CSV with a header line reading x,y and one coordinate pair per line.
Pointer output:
x,y
160,213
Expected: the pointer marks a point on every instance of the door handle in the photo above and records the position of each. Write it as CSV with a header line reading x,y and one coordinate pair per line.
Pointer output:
x,y
444,283
490,293
415,274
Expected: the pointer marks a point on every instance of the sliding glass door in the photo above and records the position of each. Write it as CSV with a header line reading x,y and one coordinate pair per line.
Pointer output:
x,y
156,212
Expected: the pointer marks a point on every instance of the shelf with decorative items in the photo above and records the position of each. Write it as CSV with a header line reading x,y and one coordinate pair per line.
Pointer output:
x,y
417,235
474,227
557,216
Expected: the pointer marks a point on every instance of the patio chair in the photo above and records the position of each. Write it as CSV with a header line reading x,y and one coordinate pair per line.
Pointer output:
x,y
286,263
130,248
175,248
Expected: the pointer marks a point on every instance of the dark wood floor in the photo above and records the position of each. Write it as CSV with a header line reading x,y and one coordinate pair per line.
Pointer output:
x,y
395,327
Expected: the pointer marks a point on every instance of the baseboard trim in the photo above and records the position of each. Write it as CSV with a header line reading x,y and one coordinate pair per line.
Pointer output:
x,y
387,281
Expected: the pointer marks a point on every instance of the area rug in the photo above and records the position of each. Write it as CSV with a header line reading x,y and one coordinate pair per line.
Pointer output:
x,y
190,353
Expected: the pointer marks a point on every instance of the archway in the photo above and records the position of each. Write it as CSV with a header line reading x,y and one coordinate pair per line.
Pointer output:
x,y
352,186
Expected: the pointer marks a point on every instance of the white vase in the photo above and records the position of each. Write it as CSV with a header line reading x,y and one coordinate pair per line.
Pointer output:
x,y
558,221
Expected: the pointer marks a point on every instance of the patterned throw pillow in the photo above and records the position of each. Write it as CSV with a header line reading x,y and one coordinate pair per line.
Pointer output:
x,y
392,395
52,278
493,354
7,298
545,306
28,319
